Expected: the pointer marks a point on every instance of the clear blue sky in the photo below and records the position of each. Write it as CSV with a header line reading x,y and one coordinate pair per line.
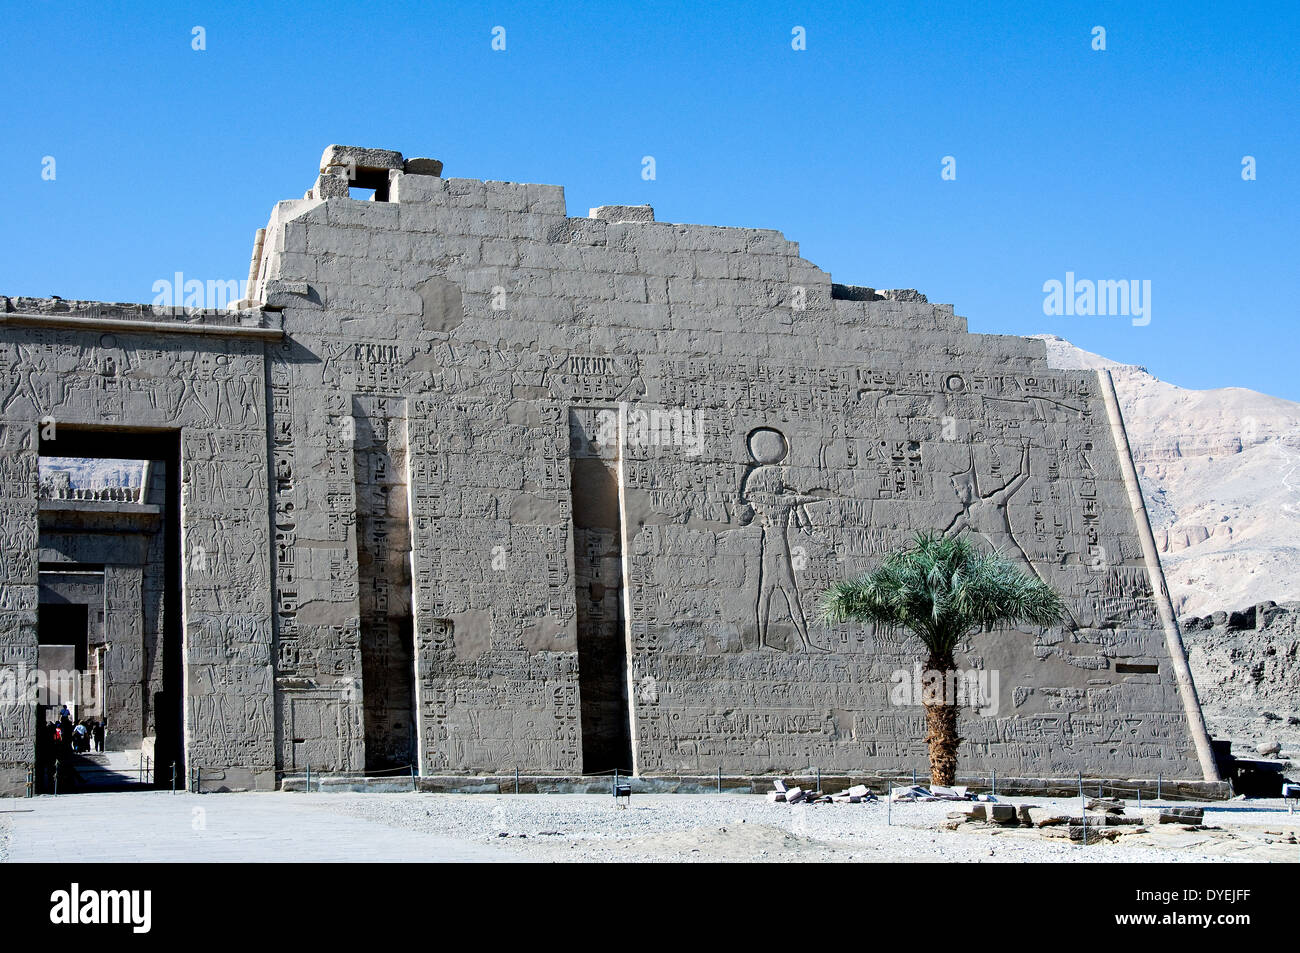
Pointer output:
x,y
1117,164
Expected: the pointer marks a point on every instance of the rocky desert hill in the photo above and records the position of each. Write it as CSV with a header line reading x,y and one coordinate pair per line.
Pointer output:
x,y
1246,666
1220,471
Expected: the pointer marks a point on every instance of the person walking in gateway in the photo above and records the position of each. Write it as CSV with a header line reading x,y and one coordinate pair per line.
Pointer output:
x,y
98,732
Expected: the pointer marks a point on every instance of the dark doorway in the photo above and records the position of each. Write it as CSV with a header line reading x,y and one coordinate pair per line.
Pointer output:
x,y
161,447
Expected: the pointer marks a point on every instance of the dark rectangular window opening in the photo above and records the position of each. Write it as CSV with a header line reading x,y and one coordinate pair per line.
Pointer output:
x,y
369,185
1137,668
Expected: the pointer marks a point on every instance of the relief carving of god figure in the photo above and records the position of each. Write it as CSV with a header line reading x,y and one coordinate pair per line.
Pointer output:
x,y
984,510
765,489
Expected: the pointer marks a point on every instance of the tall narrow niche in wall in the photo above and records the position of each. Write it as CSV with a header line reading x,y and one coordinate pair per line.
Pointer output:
x,y
598,578
384,566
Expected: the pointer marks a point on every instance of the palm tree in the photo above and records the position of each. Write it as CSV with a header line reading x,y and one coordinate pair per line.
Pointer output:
x,y
943,588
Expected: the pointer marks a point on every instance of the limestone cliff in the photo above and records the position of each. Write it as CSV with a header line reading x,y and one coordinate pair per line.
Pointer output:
x,y
1220,470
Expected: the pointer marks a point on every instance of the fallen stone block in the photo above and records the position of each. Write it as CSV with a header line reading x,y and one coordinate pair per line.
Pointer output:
x,y
1001,813
913,792
1046,817
1105,820
1119,820
948,794
1107,804
1182,815
1022,812
1091,834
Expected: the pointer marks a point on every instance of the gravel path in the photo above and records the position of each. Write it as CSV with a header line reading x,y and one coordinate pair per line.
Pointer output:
x,y
4,838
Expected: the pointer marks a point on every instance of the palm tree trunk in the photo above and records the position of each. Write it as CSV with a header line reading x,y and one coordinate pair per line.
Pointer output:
x,y
941,722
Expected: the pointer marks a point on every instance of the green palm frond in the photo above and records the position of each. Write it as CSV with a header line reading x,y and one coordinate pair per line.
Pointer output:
x,y
942,587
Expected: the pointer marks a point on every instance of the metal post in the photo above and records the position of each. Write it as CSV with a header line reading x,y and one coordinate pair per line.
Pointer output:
x,y
173,777
1159,797
719,779
58,769
995,782
309,779
198,773
31,782
889,804
414,785
516,779
1083,810
819,780
914,777
1139,795
614,789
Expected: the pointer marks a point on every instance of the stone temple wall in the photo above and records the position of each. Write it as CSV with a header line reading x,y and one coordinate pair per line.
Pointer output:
x,y
69,368
559,494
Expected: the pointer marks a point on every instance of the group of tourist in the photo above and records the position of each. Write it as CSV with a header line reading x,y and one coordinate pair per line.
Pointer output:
x,y
56,743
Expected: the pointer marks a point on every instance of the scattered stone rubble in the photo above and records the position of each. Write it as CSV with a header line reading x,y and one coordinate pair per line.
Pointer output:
x,y
1101,819
856,794
915,792
860,793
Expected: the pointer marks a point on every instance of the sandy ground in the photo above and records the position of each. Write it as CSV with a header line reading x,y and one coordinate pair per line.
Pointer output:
x,y
550,828
727,828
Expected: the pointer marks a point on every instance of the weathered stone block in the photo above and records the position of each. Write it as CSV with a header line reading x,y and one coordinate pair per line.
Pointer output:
x,y
426,167
624,213
1182,815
